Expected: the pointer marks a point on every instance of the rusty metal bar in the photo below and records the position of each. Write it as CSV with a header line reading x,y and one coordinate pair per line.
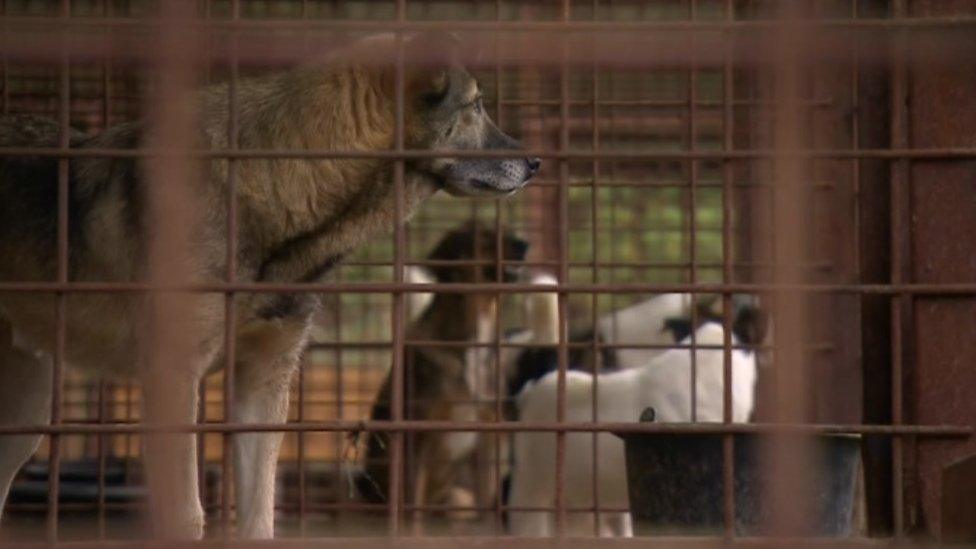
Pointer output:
x,y
823,347
230,273
822,266
300,436
201,442
664,103
453,541
931,153
490,426
917,289
563,251
562,26
901,323
61,312
595,279
101,417
162,340
399,246
728,174
4,63
500,375
692,129
106,103
788,458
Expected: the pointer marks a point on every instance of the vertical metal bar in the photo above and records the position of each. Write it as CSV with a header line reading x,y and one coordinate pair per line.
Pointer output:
x,y
396,401
230,307
303,366
595,277
4,64
57,382
612,191
302,374
337,319
728,441
102,411
789,463
208,48
563,248
201,444
101,417
164,340
500,376
106,76
856,136
300,439
202,390
692,208
900,256
128,452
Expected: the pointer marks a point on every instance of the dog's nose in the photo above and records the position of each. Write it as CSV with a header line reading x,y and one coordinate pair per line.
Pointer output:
x,y
534,164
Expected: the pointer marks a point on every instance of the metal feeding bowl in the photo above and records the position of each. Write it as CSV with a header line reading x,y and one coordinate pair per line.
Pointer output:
x,y
675,483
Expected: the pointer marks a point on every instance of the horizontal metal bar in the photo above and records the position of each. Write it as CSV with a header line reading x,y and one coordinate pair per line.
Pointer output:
x,y
939,153
358,345
825,265
510,542
722,26
489,426
663,103
322,506
362,506
951,289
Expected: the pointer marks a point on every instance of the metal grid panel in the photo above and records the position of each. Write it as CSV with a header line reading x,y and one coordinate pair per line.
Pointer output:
x,y
597,164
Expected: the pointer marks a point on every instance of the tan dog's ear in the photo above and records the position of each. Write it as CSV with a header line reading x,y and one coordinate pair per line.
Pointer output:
x,y
429,56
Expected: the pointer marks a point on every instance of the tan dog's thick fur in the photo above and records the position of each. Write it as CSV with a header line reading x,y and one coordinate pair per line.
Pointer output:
x,y
297,217
445,383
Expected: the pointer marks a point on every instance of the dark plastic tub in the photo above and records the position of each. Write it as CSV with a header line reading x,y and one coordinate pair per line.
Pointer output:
x,y
675,484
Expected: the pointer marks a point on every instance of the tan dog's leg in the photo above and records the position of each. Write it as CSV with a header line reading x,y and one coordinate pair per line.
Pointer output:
x,y
269,354
25,399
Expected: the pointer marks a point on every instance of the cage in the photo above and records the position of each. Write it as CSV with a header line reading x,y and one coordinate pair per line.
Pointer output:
x,y
813,157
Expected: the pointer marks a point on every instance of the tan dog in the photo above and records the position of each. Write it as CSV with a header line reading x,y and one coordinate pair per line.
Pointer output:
x,y
297,217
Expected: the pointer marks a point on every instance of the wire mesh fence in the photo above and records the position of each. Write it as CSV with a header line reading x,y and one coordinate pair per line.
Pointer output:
x,y
726,152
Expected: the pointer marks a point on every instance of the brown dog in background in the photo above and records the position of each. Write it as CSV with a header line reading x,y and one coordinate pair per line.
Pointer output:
x,y
445,383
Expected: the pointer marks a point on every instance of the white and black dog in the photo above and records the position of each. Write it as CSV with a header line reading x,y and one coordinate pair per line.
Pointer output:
x,y
662,382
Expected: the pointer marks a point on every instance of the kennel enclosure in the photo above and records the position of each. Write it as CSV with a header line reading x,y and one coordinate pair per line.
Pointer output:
x,y
816,154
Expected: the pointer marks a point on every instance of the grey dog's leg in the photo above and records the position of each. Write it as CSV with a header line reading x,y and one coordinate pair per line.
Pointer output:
x,y
25,399
269,355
